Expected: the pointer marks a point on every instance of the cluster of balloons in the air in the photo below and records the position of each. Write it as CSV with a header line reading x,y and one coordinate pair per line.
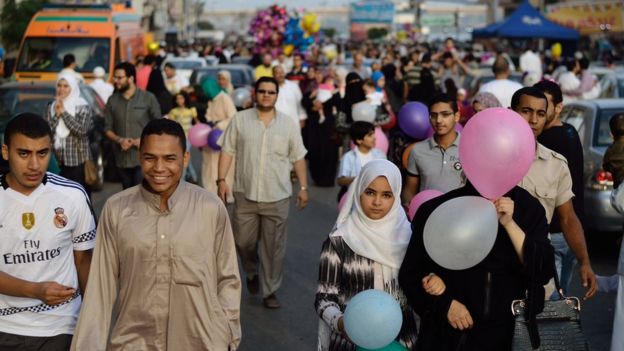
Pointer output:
x,y
268,28
201,135
300,33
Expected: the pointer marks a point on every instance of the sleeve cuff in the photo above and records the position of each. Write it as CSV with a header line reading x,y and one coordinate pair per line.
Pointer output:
x,y
331,316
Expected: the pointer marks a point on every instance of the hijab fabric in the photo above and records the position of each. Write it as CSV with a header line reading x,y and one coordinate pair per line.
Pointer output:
x,y
211,88
70,103
228,76
376,76
383,240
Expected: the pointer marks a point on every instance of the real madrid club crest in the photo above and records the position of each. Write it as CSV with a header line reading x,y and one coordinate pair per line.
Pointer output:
x,y
28,220
60,219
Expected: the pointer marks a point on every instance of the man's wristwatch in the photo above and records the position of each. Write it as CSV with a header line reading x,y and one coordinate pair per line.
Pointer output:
x,y
119,140
304,188
220,180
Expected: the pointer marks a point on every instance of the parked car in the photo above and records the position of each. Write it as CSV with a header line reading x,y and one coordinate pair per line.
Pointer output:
x,y
185,65
242,75
20,97
591,120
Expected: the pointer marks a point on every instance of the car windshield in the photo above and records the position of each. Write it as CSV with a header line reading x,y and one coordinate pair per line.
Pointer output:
x,y
239,78
604,137
187,64
46,54
14,101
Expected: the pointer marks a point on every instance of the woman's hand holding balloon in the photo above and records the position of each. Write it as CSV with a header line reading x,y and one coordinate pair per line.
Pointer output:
x,y
433,285
504,209
458,316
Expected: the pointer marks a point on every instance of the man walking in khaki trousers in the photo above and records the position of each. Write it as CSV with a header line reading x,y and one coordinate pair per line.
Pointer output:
x,y
265,143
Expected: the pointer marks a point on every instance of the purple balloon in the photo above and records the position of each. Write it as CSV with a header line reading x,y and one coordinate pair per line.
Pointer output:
x,y
213,139
414,120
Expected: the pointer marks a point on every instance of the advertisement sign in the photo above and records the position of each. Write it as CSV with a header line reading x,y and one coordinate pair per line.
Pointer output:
x,y
366,15
589,18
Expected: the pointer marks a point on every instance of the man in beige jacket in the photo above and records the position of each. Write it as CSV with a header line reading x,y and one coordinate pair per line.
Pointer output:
x,y
165,260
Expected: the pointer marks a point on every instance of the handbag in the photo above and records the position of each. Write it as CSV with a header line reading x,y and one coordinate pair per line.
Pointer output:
x,y
92,176
558,325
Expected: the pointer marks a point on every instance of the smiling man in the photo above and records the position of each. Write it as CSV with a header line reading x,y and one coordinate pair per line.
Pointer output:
x,y
549,181
434,163
165,259
47,230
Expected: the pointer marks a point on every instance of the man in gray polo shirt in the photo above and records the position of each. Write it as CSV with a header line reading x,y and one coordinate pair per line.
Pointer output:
x,y
434,163
128,110
266,143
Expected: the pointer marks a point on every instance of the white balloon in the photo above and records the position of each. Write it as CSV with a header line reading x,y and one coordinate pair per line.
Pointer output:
x,y
461,232
241,97
363,111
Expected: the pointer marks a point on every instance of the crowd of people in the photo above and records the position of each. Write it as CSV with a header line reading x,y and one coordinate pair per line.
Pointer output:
x,y
162,270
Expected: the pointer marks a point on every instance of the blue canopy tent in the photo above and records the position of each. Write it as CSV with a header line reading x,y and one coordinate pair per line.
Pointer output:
x,y
526,22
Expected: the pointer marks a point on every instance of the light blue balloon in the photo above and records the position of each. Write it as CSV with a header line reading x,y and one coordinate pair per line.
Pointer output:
x,y
373,319
394,346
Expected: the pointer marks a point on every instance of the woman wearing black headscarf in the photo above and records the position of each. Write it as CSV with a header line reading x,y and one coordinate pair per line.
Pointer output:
x,y
354,93
156,85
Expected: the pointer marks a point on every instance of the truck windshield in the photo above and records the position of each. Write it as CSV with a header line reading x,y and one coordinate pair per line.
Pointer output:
x,y
46,54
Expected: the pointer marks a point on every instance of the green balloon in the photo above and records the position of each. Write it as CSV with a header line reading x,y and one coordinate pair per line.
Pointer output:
x,y
394,346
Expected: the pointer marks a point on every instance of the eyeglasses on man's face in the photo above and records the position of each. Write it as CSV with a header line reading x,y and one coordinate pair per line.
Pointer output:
x,y
266,92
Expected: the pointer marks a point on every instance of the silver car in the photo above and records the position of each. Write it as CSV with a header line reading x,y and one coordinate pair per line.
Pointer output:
x,y
591,120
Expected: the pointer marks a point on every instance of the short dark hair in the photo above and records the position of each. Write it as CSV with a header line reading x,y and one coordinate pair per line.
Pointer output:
x,y
551,88
360,129
29,124
444,98
68,59
584,62
530,91
149,59
128,69
163,126
266,80
616,124
169,65
501,65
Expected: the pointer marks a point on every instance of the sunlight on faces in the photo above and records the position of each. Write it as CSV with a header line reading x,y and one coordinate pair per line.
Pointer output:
x,y
533,110
62,89
163,161
28,161
442,118
377,199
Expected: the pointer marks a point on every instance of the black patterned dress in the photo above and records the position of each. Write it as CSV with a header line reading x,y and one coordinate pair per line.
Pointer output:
x,y
343,274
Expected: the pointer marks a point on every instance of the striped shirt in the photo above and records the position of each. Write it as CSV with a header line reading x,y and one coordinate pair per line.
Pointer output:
x,y
74,149
263,154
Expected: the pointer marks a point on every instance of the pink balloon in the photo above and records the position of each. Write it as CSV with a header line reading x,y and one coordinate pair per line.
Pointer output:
x,y
458,128
381,140
342,201
496,151
420,199
198,134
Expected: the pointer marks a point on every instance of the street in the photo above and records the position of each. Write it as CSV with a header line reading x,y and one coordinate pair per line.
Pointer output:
x,y
294,326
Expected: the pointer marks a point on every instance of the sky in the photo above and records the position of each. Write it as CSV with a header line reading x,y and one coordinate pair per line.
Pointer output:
x,y
250,4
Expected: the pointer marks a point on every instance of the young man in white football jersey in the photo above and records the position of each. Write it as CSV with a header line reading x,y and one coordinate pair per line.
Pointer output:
x,y
47,231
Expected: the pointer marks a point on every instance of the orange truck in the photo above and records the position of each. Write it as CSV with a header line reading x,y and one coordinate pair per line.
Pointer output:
x,y
97,35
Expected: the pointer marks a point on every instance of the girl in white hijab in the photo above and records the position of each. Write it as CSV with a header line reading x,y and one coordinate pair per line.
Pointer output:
x,y
364,251
70,119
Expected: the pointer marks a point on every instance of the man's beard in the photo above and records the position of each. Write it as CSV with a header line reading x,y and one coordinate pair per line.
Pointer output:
x,y
123,88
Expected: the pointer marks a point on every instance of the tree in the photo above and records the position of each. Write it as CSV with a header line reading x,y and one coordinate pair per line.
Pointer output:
x,y
329,32
377,33
205,25
14,20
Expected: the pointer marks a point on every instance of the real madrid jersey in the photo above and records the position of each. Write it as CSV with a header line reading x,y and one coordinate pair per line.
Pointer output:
x,y
38,235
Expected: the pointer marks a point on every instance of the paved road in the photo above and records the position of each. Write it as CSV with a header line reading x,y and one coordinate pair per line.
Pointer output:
x,y
294,326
